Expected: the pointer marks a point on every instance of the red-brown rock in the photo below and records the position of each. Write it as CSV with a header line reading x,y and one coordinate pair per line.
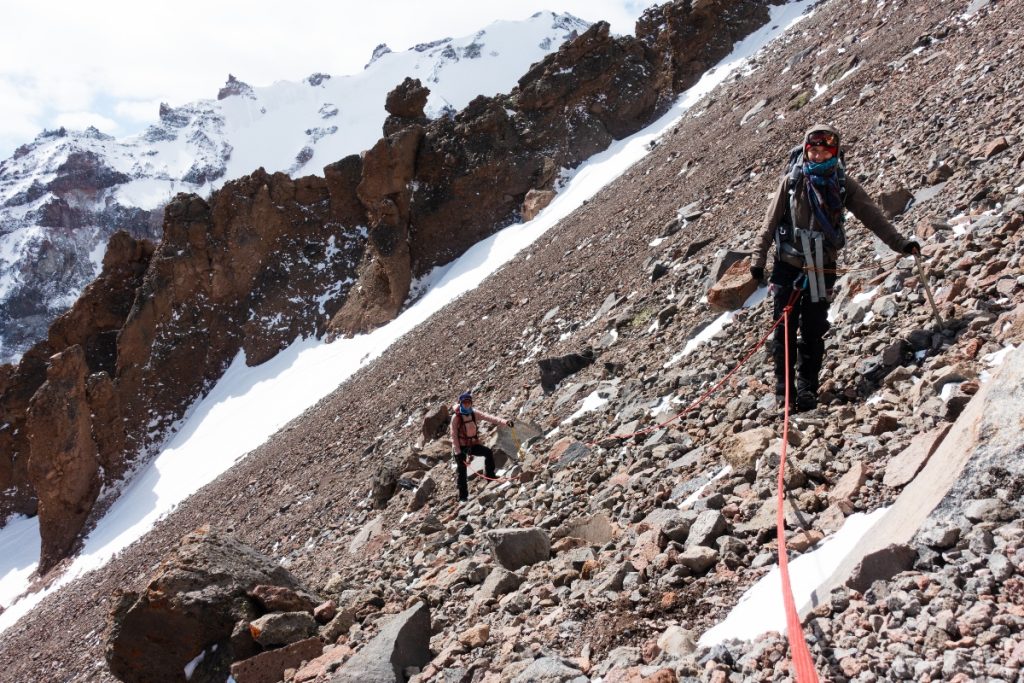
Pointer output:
x,y
269,666
734,287
63,464
535,202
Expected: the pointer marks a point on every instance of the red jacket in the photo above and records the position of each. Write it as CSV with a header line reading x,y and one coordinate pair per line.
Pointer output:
x,y
464,428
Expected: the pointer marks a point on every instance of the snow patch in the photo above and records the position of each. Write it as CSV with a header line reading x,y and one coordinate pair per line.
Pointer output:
x,y
760,609
719,324
592,402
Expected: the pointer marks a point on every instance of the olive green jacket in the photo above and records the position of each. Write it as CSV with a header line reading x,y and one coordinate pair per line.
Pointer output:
x,y
857,202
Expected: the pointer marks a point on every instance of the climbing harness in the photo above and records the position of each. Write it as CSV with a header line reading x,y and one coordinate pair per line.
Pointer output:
x,y
813,262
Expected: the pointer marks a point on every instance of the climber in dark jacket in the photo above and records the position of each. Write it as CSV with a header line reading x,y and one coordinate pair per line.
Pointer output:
x,y
466,440
805,222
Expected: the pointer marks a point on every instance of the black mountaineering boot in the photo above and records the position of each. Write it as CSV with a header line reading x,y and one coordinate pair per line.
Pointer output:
x,y
806,395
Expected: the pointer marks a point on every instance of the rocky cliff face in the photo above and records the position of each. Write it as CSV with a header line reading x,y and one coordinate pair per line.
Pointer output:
x,y
432,191
266,261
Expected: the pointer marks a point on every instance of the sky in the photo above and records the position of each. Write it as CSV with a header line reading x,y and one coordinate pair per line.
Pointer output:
x,y
110,63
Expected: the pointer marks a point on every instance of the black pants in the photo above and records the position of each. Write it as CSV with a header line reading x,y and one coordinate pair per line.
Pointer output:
x,y
811,319
460,466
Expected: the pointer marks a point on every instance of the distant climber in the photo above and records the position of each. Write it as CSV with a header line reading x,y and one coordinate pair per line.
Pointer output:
x,y
805,220
466,440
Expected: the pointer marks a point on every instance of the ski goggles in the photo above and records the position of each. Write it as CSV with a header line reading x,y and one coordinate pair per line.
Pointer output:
x,y
822,139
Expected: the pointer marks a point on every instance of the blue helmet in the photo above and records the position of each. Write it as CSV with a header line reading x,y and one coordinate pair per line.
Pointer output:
x,y
466,396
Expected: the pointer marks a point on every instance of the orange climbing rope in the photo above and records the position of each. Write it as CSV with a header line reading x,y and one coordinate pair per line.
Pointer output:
x,y
800,653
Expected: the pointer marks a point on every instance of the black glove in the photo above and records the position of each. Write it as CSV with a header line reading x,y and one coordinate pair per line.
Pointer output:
x,y
757,272
911,248
511,424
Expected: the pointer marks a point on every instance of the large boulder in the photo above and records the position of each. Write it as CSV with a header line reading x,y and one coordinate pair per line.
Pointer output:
x,y
194,603
515,548
402,642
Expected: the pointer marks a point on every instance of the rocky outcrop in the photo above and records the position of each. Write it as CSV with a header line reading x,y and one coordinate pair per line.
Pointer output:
x,y
689,38
91,326
261,264
234,87
63,462
433,191
66,192
198,604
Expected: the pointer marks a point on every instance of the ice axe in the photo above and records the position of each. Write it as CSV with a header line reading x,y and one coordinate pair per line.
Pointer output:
x,y
923,273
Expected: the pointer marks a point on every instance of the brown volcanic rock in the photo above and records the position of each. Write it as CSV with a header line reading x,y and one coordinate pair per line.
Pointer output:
x,y
386,273
469,175
609,79
690,37
405,105
227,276
408,99
192,604
16,494
63,464
158,327
93,322
92,325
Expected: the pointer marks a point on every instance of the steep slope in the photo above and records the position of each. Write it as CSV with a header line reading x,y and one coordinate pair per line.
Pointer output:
x,y
64,194
269,259
303,496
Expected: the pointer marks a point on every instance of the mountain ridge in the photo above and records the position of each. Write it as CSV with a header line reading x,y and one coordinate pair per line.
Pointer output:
x,y
63,195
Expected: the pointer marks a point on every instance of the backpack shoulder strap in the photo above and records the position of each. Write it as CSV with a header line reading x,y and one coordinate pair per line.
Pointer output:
x,y
794,165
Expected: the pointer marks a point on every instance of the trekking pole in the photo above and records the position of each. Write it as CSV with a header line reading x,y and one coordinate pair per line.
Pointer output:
x,y
923,273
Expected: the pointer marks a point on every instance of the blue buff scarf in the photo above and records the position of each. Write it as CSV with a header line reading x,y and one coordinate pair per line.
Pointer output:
x,y
464,410
824,193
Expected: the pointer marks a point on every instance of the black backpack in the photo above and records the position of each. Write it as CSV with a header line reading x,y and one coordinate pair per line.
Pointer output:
x,y
794,172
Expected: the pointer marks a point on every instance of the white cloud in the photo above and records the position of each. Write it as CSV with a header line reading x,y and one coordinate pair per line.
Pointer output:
x,y
117,57
144,111
84,119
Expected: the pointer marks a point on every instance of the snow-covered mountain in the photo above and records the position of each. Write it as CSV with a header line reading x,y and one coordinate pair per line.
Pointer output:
x,y
65,193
